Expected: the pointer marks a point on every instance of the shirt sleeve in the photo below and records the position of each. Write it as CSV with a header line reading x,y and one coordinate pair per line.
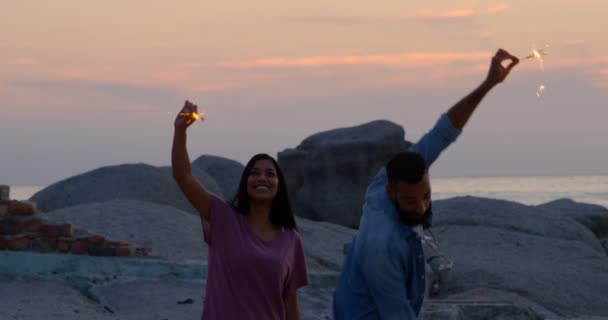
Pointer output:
x,y
377,187
436,140
385,277
297,276
220,215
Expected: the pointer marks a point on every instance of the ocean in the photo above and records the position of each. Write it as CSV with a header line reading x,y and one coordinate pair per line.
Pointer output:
x,y
527,190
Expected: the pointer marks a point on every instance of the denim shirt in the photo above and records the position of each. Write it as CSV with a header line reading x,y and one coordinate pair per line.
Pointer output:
x,y
383,276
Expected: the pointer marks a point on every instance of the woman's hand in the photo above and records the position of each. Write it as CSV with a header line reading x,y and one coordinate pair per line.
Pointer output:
x,y
186,116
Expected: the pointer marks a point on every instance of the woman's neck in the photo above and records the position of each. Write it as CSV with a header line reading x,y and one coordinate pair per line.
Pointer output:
x,y
259,214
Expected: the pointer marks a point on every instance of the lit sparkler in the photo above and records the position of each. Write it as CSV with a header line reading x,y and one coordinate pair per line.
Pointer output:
x,y
539,54
193,116
541,90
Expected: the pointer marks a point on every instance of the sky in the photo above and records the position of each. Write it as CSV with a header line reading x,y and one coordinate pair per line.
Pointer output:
x,y
85,84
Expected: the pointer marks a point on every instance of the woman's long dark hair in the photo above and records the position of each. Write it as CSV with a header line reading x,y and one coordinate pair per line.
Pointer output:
x,y
281,214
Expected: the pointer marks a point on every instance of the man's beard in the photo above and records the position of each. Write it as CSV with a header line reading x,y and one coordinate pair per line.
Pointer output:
x,y
411,218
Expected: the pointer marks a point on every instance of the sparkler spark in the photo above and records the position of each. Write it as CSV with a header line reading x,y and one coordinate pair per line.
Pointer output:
x,y
541,90
539,54
192,115
536,54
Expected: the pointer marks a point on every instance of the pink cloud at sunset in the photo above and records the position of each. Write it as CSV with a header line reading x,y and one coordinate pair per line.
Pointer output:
x,y
412,60
455,13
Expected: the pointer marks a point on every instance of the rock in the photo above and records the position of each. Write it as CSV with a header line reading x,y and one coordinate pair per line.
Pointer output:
x,y
170,233
152,298
542,256
489,298
594,217
227,173
203,177
512,216
29,299
142,299
328,173
128,181
324,243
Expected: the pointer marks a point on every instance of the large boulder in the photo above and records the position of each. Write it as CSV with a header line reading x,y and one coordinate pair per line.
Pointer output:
x,y
324,244
176,235
545,257
328,173
226,172
170,233
512,216
594,217
127,181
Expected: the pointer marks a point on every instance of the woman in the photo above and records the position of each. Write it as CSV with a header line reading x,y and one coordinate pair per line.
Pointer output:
x,y
256,260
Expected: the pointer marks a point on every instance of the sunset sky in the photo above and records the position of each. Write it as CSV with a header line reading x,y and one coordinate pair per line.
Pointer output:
x,y
85,84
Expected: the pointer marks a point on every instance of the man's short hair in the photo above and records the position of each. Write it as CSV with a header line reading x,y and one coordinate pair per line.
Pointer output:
x,y
408,167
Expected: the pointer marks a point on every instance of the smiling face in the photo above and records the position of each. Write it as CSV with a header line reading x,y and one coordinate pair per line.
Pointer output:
x,y
262,181
412,200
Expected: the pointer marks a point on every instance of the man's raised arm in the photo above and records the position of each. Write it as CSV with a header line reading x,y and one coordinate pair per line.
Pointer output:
x,y
450,124
460,113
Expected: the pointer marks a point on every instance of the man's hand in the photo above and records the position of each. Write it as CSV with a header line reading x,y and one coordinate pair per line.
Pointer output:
x,y
498,72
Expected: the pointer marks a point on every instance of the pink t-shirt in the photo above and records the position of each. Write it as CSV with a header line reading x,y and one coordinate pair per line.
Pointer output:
x,y
248,277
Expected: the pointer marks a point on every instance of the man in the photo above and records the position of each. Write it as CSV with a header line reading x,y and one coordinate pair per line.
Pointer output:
x,y
383,276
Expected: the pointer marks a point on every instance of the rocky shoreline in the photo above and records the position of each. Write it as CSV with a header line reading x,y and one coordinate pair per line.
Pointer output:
x,y
511,261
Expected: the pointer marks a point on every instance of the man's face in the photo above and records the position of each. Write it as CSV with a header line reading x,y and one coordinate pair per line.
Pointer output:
x,y
411,200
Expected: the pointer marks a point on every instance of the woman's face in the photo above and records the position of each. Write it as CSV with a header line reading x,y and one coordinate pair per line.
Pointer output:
x,y
262,181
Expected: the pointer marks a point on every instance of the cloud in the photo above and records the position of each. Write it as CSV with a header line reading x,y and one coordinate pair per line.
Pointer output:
x,y
594,61
456,13
91,90
23,61
441,14
411,60
431,78
496,9
421,15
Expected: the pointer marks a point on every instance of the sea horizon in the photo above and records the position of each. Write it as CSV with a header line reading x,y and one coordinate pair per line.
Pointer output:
x,y
530,190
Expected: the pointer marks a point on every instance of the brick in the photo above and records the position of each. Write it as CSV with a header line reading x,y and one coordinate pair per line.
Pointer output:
x,y
9,226
19,243
64,244
44,244
96,240
3,208
142,251
56,231
117,244
21,208
79,247
122,251
101,251
32,225
66,230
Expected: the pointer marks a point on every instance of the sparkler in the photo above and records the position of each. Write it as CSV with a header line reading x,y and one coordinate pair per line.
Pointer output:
x,y
192,116
541,90
539,54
